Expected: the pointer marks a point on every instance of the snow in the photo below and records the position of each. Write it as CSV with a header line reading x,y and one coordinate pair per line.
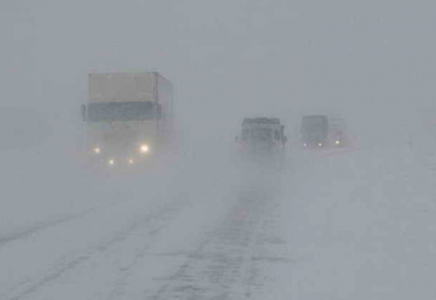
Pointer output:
x,y
364,228
352,224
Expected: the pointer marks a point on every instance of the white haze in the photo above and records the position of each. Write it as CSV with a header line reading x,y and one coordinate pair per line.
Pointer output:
x,y
373,62
368,61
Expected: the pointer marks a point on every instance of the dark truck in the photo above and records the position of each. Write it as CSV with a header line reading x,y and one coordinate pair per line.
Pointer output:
x,y
262,138
322,131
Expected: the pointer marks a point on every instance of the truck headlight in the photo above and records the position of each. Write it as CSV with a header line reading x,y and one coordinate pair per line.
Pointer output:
x,y
144,148
97,150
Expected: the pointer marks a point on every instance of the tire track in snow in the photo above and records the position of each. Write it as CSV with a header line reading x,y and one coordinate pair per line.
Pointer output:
x,y
155,220
269,256
223,261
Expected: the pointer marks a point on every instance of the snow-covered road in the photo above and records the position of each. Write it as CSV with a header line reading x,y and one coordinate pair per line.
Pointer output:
x,y
363,226
350,225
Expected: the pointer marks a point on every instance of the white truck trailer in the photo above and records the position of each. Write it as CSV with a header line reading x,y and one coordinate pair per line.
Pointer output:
x,y
129,117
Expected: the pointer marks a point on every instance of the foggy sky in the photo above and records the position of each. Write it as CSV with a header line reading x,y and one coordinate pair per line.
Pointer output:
x,y
373,61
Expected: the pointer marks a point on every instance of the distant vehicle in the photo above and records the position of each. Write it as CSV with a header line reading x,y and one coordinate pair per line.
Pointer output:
x,y
262,138
128,117
322,131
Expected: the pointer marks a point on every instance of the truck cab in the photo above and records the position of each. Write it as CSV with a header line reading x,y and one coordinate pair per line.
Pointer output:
x,y
322,131
128,118
262,138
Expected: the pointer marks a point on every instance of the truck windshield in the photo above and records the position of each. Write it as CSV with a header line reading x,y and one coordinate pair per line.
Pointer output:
x,y
256,134
314,124
122,111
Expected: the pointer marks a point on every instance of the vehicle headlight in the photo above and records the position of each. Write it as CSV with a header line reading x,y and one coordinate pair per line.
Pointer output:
x,y
131,161
97,150
320,144
337,142
111,162
144,148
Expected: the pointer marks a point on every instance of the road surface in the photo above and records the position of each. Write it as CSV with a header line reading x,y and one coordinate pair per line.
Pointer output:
x,y
349,225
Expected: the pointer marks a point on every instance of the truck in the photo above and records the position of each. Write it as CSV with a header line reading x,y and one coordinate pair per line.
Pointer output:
x,y
323,131
128,117
262,139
